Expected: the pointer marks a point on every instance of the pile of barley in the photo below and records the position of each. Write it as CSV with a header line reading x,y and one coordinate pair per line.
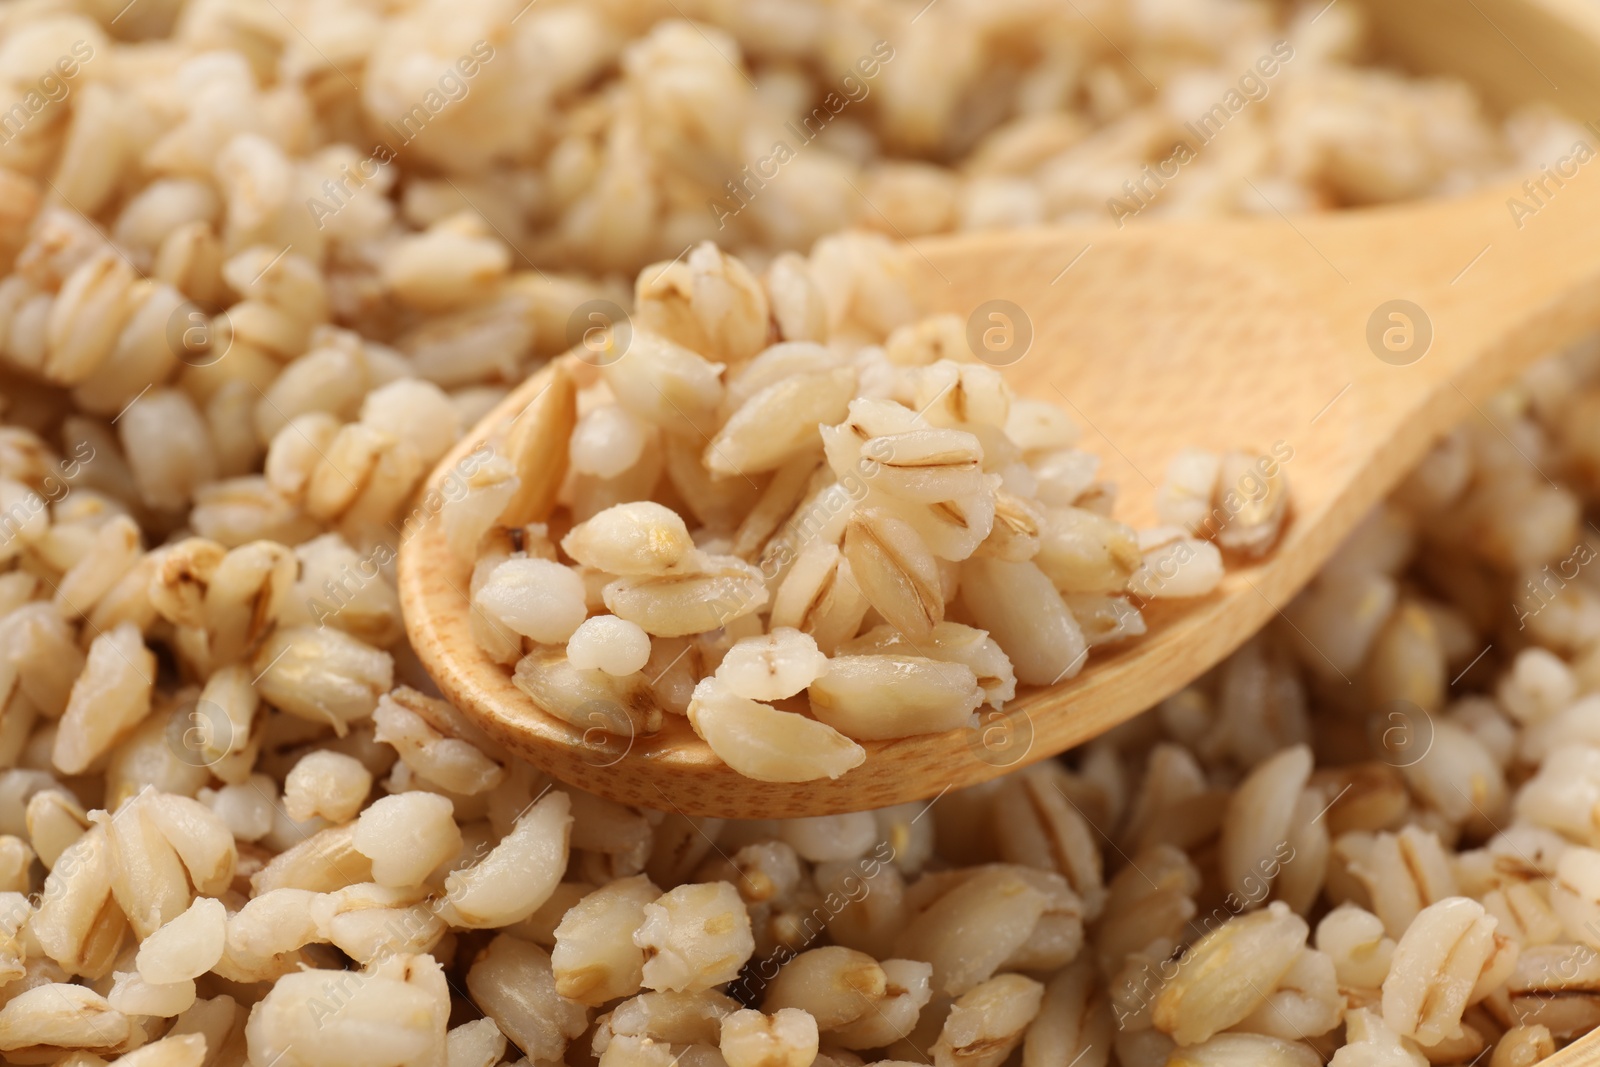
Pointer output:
x,y
884,529
263,261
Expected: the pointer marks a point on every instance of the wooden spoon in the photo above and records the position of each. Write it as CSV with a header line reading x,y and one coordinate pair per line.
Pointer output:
x,y
1353,340
1254,333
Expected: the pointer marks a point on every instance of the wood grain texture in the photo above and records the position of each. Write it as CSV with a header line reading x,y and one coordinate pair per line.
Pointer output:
x,y
1229,333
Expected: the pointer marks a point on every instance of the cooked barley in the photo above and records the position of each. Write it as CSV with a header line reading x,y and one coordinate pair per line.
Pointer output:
x,y
1020,608
595,959
185,947
879,697
518,874
987,1022
540,600
786,1038
623,706
694,937
1436,967
765,743
722,589
774,666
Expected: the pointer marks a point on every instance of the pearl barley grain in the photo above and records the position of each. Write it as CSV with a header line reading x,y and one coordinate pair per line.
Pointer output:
x,y
800,510
329,784
610,644
406,836
417,411
764,743
132,995
533,597
786,1038
694,937
187,947
773,666
641,538
595,958
606,442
